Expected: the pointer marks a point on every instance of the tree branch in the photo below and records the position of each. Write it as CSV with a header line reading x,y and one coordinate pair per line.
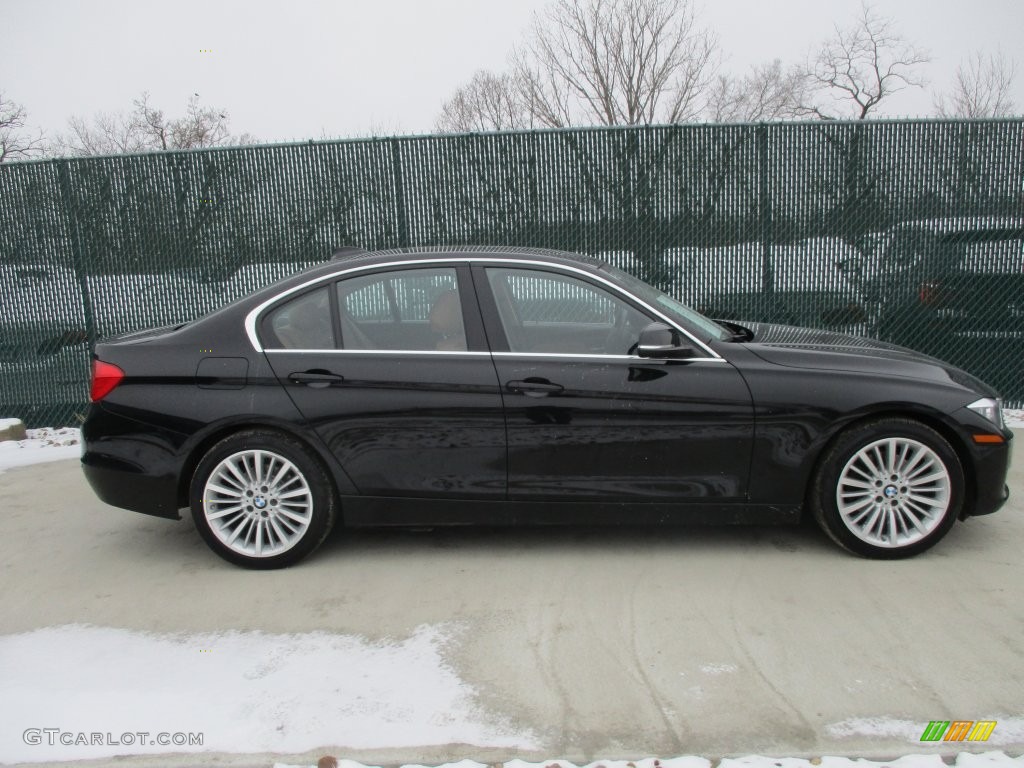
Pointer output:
x,y
17,142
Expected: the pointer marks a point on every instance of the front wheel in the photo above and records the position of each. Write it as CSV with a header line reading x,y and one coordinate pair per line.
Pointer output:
x,y
261,499
889,488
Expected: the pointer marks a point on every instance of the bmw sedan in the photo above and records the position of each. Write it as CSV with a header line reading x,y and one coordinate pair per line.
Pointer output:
x,y
506,386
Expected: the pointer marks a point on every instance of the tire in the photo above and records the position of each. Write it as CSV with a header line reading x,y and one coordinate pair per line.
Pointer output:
x,y
858,504
285,500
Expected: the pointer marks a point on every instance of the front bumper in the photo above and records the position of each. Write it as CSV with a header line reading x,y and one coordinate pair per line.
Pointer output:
x,y
991,467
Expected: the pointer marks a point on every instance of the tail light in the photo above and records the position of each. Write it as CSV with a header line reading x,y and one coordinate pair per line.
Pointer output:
x,y
105,376
931,293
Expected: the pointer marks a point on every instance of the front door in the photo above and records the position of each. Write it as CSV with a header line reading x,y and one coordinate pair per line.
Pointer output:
x,y
587,419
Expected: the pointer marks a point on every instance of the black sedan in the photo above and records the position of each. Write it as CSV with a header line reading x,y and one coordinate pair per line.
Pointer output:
x,y
506,386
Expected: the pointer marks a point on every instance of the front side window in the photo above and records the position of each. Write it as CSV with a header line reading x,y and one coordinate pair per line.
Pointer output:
x,y
664,303
302,323
545,312
406,310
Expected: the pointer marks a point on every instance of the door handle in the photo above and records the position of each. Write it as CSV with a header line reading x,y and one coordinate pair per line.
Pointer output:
x,y
315,378
534,387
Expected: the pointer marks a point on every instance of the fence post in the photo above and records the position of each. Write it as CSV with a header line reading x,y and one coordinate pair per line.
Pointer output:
x,y
77,250
400,212
764,205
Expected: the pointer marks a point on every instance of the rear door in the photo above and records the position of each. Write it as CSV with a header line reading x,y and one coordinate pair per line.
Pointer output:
x,y
389,366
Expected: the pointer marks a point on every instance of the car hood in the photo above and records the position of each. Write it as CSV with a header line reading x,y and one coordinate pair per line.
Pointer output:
x,y
825,350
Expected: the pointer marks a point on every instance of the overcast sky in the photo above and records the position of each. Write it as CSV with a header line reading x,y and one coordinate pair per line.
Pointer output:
x,y
312,68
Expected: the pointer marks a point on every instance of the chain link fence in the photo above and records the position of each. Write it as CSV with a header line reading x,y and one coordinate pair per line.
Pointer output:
x,y
909,231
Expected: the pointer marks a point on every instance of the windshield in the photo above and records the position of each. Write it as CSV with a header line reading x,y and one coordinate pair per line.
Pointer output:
x,y
673,308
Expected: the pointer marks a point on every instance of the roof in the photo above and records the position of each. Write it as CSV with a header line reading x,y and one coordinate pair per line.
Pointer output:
x,y
425,253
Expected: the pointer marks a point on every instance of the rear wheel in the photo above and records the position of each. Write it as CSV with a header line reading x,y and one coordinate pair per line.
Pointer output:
x,y
888,488
261,499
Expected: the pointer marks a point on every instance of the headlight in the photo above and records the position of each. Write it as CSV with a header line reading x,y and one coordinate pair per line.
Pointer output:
x,y
990,408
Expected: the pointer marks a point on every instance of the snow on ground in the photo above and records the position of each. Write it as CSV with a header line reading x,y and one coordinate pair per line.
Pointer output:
x,y
254,692
244,691
101,692
46,444
963,760
1010,730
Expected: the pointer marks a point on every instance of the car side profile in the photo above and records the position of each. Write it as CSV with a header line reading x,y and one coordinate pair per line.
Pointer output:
x,y
518,386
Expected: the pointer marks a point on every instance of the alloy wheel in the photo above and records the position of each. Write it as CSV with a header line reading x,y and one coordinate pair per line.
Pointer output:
x,y
257,503
893,492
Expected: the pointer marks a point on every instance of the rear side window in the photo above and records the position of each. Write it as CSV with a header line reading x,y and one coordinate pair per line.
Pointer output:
x,y
302,323
416,309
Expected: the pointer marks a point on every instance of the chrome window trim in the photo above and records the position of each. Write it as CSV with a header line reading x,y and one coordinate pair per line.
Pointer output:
x,y
462,353
585,356
253,316
544,355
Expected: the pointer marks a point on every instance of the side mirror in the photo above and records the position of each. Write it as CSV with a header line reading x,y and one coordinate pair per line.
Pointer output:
x,y
658,340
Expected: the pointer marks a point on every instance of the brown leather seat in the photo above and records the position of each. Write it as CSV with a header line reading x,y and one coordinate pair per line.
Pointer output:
x,y
308,326
446,321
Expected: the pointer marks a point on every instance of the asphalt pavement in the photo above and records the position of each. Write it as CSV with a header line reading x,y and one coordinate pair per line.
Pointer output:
x,y
604,643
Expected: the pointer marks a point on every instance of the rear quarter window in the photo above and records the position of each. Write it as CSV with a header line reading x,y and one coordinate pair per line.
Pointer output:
x,y
301,323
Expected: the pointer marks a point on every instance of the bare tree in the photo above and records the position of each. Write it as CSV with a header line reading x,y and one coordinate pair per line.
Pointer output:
x,y
983,88
615,62
147,129
488,102
858,68
767,92
17,142
105,134
602,62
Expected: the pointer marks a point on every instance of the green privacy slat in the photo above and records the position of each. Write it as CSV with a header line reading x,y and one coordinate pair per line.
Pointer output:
x,y
803,223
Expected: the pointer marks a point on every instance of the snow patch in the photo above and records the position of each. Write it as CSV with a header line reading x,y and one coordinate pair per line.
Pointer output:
x,y
963,760
718,669
244,691
756,761
1014,418
1008,730
40,445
